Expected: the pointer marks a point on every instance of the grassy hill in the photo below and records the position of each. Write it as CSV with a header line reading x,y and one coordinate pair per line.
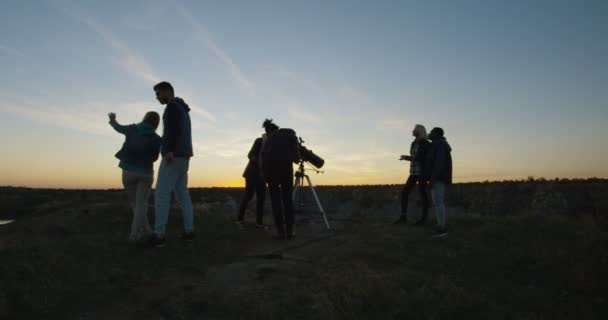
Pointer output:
x,y
66,257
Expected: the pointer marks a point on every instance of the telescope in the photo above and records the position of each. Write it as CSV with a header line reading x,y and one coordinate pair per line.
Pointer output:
x,y
310,157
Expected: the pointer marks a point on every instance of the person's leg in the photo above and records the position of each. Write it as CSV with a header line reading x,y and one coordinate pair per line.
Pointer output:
x,y
250,186
287,193
144,184
165,183
275,197
405,194
438,192
260,195
146,221
130,183
182,194
424,197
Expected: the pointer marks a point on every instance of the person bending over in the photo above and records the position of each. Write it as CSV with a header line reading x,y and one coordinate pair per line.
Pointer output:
x,y
279,153
254,184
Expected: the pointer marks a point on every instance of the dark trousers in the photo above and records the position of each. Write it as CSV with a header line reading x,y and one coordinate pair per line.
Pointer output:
x,y
407,189
279,176
253,186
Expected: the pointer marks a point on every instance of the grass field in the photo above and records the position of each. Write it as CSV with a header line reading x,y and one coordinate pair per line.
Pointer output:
x,y
73,263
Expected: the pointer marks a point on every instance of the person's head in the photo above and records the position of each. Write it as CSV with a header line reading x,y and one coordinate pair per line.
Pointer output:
x,y
419,132
164,92
269,126
152,118
436,133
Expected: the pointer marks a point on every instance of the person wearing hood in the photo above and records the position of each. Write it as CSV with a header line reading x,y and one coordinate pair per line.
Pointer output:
x,y
440,164
254,185
176,151
137,155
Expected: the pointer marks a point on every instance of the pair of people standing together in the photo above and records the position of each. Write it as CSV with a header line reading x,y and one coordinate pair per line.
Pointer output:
x,y
139,152
430,167
271,160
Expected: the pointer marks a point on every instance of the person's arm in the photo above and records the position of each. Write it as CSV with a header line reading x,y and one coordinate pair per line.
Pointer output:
x,y
156,150
255,149
118,127
171,123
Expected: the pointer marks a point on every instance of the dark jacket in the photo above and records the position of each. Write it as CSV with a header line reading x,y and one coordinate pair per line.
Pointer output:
x,y
252,171
177,129
440,161
424,148
281,146
140,149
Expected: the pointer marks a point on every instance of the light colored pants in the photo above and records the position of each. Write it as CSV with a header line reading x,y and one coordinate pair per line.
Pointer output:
x,y
138,188
438,194
172,178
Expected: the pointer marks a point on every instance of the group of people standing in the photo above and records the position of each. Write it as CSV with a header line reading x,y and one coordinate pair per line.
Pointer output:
x,y
139,152
271,160
430,168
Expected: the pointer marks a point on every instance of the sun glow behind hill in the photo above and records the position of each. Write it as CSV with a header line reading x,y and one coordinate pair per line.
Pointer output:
x,y
518,91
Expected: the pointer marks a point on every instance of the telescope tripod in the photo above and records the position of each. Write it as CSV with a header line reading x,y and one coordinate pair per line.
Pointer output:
x,y
299,184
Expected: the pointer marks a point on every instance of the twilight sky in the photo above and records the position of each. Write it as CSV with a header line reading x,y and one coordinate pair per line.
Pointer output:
x,y
520,87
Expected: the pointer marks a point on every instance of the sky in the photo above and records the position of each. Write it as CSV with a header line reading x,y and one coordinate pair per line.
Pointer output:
x,y
520,87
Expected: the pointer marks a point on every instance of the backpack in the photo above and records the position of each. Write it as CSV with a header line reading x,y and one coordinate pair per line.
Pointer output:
x,y
282,145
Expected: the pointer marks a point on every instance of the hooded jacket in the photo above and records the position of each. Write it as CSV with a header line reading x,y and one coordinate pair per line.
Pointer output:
x,y
140,149
177,129
252,171
440,161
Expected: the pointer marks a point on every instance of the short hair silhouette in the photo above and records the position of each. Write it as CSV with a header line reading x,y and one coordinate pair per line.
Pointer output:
x,y
152,118
163,86
269,126
438,132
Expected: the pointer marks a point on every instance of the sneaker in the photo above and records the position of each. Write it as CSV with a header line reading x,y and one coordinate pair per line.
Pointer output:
x,y
279,237
439,233
188,236
402,220
156,241
420,222
262,226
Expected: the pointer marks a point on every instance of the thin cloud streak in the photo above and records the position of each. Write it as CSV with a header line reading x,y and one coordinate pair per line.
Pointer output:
x,y
130,60
203,35
93,120
8,51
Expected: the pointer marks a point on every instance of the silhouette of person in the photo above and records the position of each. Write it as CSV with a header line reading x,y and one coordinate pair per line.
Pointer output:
x,y
418,174
254,184
137,156
176,151
279,153
440,163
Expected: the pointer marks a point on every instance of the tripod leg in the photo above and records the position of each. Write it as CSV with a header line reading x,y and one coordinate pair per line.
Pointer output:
x,y
296,186
314,193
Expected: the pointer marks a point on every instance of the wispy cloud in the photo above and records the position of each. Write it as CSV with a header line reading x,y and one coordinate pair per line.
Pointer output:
x,y
205,37
301,115
131,61
8,51
87,122
202,112
90,118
